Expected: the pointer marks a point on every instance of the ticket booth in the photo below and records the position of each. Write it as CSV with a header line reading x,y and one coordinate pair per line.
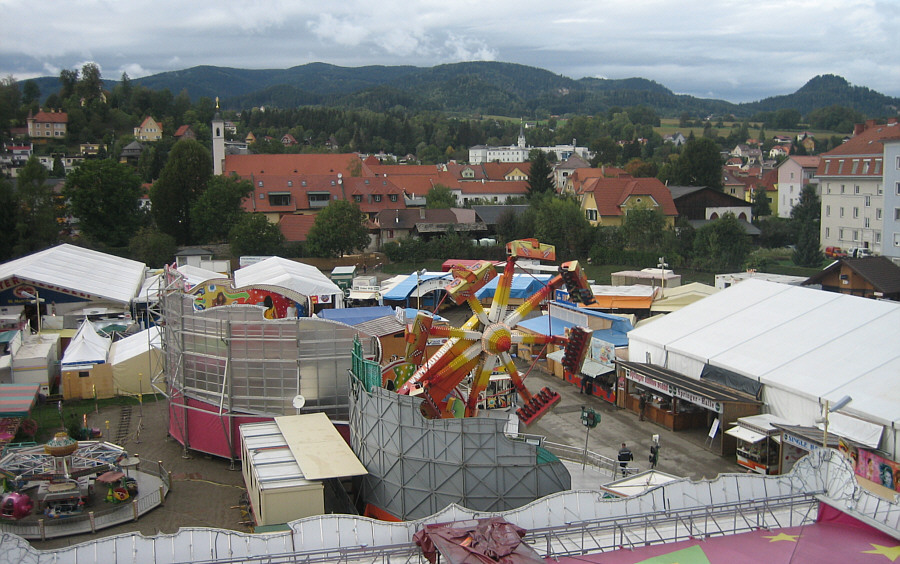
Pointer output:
x,y
758,441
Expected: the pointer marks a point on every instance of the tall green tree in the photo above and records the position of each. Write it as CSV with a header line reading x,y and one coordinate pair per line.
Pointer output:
x,y
806,217
440,197
699,164
339,229
36,221
180,184
539,181
9,207
255,235
219,209
560,222
644,229
722,245
105,198
152,247
9,103
760,204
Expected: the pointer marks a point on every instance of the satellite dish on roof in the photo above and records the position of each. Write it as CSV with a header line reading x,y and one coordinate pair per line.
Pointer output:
x,y
298,402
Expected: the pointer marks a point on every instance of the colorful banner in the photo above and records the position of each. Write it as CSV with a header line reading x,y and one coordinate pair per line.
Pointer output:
x,y
211,294
877,469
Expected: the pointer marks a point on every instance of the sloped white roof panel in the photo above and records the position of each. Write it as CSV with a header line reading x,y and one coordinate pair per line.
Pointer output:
x,y
701,314
134,345
195,275
835,329
86,347
779,310
276,271
80,270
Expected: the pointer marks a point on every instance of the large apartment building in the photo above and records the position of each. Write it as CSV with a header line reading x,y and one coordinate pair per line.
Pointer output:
x,y
851,180
891,245
794,173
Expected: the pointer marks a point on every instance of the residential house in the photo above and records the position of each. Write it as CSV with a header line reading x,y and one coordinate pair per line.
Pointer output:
x,y
676,139
131,153
701,204
50,124
149,130
891,229
809,144
393,225
250,138
185,132
288,140
747,153
563,169
575,181
90,149
869,277
16,155
794,173
779,151
782,139
606,201
851,178
230,127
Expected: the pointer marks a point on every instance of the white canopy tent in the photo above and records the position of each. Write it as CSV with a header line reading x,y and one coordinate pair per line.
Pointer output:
x,y
134,360
301,278
806,346
86,348
91,275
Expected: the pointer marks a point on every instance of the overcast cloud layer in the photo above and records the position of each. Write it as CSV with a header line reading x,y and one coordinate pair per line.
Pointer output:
x,y
733,50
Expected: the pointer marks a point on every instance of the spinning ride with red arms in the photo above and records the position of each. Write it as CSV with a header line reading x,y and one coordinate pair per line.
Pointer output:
x,y
482,345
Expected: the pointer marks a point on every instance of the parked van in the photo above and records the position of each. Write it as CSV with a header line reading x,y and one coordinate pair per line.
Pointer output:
x,y
835,252
859,252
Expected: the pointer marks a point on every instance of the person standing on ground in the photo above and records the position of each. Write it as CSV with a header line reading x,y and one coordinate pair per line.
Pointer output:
x,y
625,456
642,405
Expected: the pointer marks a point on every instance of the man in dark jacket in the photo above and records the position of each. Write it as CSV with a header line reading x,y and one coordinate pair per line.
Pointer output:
x,y
625,457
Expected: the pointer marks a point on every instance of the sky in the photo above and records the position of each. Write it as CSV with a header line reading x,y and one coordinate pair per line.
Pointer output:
x,y
739,51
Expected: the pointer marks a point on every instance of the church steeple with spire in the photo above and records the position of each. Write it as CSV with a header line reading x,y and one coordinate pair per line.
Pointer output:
x,y
218,141
522,135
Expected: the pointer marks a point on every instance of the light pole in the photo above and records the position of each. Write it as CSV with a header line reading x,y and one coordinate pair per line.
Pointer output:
x,y
419,273
37,306
662,266
840,404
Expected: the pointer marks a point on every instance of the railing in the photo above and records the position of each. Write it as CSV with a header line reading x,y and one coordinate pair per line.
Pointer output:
x,y
575,454
91,521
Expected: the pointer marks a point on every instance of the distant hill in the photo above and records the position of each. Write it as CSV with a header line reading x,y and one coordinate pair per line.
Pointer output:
x,y
480,88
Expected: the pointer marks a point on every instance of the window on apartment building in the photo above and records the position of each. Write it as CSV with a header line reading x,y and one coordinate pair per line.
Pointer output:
x,y
840,234
868,201
878,190
842,188
390,233
877,166
896,214
290,183
357,198
856,235
827,232
855,213
828,188
792,176
842,213
590,214
866,222
377,197
897,239
865,167
260,183
393,197
898,188
279,198
856,189
878,214
827,211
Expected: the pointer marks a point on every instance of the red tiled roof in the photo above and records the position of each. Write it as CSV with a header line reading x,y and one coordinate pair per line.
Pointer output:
x,y
295,227
806,161
516,187
611,193
182,130
51,117
247,166
868,142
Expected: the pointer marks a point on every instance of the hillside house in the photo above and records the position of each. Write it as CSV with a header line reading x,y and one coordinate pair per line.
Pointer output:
x,y
149,130
50,124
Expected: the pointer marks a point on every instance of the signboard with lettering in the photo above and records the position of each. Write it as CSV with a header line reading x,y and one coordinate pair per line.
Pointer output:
x,y
673,391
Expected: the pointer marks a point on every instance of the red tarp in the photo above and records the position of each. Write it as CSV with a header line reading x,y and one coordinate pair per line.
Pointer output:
x,y
476,541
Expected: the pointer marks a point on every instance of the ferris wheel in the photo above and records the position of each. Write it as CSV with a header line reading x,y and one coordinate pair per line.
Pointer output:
x,y
482,345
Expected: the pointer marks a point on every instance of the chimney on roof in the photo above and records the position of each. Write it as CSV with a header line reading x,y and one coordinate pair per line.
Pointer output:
x,y
858,128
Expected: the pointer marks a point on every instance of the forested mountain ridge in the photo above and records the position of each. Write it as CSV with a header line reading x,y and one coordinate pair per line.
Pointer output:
x,y
480,88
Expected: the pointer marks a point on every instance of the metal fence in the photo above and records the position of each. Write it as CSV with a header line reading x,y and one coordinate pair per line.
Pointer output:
x,y
91,521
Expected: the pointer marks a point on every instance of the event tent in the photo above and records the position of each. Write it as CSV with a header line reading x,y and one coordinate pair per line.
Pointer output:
x,y
77,272
523,286
134,361
86,348
805,346
297,276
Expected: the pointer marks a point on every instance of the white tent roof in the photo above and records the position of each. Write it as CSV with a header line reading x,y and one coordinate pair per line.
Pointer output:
x,y
195,275
86,347
816,344
75,269
134,345
276,271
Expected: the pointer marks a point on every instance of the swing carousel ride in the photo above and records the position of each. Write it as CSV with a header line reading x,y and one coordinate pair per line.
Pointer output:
x,y
483,345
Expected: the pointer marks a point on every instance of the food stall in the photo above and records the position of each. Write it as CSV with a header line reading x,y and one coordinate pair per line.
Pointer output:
x,y
758,442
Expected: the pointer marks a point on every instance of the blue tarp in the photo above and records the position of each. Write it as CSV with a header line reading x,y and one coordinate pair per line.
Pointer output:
x,y
523,286
546,325
405,289
356,315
